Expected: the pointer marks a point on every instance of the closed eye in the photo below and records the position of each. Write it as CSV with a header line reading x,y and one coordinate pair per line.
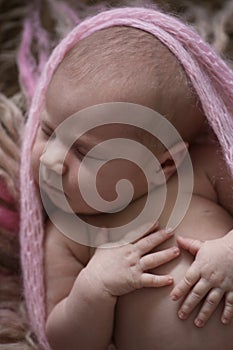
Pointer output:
x,y
83,152
79,152
46,131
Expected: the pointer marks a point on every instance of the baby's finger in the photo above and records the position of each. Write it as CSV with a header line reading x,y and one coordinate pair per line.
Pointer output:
x,y
227,315
154,226
189,244
212,301
183,287
145,244
140,232
148,280
151,261
194,298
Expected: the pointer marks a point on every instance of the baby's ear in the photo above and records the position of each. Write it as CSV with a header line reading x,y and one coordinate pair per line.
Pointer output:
x,y
172,158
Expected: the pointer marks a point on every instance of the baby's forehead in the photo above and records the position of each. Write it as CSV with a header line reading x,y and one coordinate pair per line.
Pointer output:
x,y
97,124
118,50
117,63
121,64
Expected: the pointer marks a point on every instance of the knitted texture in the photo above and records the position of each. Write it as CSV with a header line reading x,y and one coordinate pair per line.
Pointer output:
x,y
211,78
30,67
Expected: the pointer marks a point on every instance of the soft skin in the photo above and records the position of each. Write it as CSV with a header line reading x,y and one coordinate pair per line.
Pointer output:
x,y
94,296
132,318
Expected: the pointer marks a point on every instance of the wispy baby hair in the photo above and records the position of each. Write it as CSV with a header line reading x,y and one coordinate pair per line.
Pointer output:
x,y
211,78
127,64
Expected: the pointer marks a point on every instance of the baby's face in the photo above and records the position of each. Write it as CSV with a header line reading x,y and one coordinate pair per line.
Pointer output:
x,y
48,153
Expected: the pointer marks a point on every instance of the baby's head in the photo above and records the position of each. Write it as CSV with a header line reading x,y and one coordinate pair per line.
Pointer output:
x,y
116,64
125,64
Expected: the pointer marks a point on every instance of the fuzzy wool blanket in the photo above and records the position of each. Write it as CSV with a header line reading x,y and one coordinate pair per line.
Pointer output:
x,y
23,52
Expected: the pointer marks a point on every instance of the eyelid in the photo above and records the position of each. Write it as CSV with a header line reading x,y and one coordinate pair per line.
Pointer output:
x,y
79,149
46,130
82,150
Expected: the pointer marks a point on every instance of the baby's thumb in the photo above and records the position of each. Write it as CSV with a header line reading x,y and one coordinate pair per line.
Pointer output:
x,y
189,244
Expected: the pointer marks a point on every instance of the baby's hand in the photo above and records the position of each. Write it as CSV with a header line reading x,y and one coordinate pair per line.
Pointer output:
x,y
122,269
210,277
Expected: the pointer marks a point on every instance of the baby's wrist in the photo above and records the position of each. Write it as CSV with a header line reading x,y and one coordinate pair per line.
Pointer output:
x,y
93,287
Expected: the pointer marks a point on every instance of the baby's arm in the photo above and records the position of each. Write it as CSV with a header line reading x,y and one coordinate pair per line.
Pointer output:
x,y
78,313
82,293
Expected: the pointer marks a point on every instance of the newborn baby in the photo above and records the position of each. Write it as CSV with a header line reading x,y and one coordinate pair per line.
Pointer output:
x,y
105,291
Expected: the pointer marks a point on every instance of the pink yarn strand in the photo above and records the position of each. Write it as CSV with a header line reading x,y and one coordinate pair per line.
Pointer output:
x,y
26,62
68,12
30,68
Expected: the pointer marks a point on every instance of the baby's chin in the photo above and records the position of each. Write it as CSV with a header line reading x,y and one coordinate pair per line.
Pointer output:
x,y
62,203
58,199
54,200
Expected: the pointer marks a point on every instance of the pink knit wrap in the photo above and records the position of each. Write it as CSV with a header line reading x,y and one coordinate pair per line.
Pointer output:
x,y
210,76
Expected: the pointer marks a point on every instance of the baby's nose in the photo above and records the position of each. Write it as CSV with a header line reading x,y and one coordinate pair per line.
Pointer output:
x,y
53,161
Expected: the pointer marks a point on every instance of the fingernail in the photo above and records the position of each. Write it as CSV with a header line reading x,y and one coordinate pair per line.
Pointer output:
x,y
176,251
199,323
174,297
182,315
225,321
170,279
169,230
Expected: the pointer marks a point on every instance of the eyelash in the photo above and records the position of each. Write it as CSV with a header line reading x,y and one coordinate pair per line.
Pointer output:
x,y
78,153
84,154
46,132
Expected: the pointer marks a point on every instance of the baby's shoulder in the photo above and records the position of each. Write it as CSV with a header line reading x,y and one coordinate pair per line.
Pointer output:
x,y
206,160
212,178
64,236
206,157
